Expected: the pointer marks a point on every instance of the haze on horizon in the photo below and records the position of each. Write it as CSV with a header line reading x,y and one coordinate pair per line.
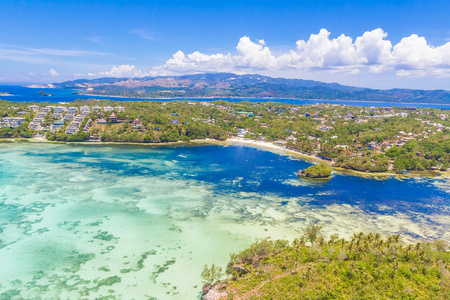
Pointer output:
x,y
405,44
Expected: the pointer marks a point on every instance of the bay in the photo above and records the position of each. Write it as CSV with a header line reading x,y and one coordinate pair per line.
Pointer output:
x,y
22,94
136,222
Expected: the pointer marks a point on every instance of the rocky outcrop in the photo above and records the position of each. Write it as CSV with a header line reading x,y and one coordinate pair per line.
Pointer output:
x,y
240,269
214,292
303,173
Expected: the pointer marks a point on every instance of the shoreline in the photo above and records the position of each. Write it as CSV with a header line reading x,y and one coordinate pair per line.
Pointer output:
x,y
265,98
267,146
276,147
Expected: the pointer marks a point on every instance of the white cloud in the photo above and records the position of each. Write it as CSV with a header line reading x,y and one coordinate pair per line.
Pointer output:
x,y
413,52
119,71
254,55
319,51
372,51
52,72
412,56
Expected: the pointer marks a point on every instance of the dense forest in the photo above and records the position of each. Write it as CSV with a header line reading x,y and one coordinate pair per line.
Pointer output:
x,y
366,266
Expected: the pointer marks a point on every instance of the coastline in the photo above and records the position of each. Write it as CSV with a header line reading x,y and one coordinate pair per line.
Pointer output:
x,y
265,98
272,146
267,146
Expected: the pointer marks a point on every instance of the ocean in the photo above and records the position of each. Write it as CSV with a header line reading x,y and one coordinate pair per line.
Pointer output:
x,y
22,94
140,222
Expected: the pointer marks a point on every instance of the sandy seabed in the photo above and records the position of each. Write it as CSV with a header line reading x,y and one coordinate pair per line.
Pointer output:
x,y
135,222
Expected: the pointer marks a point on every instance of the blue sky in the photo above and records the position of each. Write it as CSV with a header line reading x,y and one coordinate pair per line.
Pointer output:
x,y
380,44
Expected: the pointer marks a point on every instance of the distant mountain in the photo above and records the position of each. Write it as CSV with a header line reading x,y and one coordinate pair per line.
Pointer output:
x,y
255,86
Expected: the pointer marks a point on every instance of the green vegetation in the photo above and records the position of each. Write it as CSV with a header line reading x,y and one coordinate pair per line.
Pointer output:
x,y
211,275
364,267
317,171
384,139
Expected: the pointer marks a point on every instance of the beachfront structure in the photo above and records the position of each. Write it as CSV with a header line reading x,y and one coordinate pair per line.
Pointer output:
x,y
12,122
57,125
241,132
72,129
35,125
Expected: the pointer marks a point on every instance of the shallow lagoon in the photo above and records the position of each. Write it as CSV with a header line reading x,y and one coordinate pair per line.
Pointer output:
x,y
134,222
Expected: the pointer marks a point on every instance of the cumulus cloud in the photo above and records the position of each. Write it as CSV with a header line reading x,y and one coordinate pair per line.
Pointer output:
x,y
120,71
52,72
117,71
372,51
412,56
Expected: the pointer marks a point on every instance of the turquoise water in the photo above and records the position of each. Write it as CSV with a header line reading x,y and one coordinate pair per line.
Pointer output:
x,y
136,222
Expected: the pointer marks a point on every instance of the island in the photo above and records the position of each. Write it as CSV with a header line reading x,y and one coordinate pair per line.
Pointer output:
x,y
6,94
45,94
317,171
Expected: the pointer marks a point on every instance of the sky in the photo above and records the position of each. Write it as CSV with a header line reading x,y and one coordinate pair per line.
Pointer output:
x,y
377,44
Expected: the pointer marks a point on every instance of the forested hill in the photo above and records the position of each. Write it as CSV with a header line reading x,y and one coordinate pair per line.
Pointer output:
x,y
232,85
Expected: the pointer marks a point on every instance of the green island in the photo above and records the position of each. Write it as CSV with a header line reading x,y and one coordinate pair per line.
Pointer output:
x,y
364,139
366,266
45,94
316,171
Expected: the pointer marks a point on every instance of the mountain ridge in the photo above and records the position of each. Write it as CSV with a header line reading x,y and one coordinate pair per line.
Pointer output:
x,y
248,85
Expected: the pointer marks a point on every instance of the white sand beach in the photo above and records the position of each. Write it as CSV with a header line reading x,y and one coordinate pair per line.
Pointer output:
x,y
274,147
